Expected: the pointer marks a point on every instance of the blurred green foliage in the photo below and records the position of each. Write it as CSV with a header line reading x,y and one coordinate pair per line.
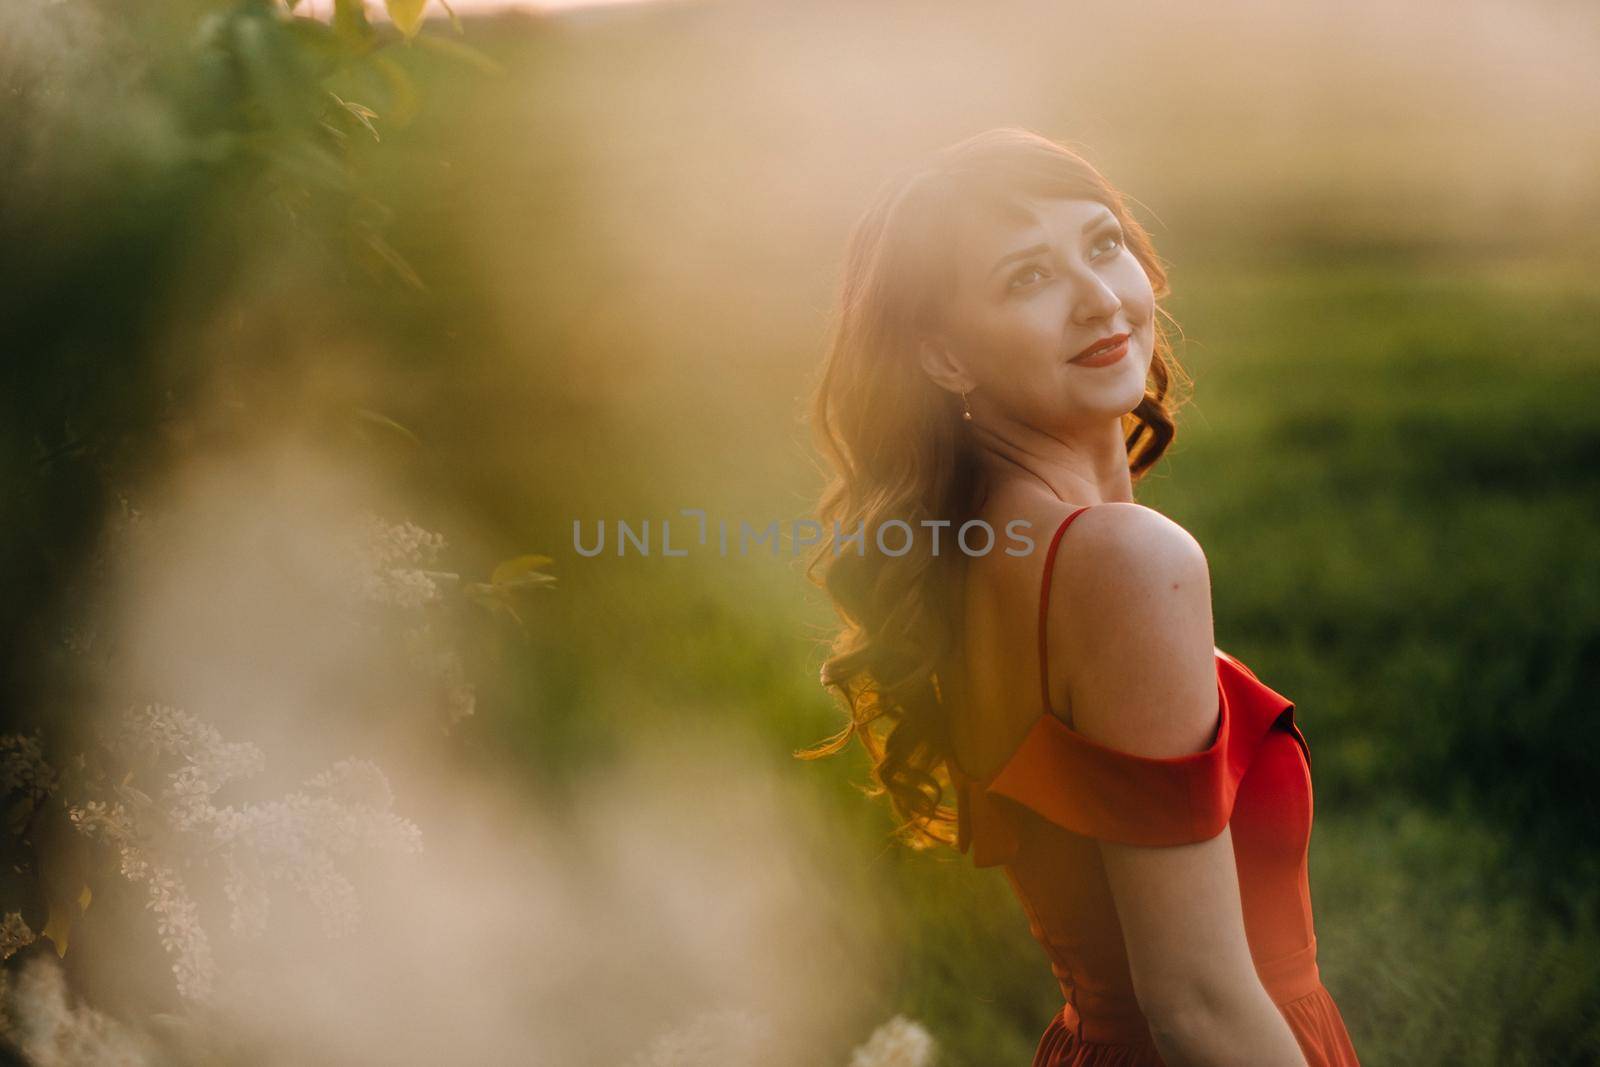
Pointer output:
x,y
156,161
174,178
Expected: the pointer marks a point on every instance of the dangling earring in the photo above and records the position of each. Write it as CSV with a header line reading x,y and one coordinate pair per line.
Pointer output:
x,y
966,406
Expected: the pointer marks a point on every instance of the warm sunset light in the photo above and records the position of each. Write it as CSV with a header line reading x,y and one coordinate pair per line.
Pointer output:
x,y
799,533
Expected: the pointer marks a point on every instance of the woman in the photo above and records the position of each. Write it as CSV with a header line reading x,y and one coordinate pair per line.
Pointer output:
x,y
998,363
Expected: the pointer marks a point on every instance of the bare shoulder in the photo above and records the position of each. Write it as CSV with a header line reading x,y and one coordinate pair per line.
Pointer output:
x,y
1119,546
1130,635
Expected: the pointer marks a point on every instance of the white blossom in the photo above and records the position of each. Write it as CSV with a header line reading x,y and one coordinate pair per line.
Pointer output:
x,y
157,730
108,822
295,841
713,1039
433,658
52,1031
177,923
900,1042
402,542
15,934
209,762
249,904
177,915
390,563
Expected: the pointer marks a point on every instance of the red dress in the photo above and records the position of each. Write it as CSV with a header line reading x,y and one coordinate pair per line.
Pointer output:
x,y
1041,815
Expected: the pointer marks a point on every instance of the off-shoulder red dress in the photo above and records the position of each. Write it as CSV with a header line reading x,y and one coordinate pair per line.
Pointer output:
x,y
1059,793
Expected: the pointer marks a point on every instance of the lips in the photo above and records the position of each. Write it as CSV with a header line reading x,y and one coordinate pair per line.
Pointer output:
x,y
1100,347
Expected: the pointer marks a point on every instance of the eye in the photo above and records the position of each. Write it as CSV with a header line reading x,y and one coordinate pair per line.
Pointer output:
x,y
1018,280
1109,241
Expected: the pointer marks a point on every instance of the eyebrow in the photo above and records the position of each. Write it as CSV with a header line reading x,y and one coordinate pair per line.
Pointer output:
x,y
1033,250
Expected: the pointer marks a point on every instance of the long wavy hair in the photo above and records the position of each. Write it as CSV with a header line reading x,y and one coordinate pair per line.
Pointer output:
x,y
897,449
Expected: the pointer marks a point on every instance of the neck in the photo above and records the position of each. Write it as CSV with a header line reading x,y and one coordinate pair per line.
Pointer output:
x,y
1085,467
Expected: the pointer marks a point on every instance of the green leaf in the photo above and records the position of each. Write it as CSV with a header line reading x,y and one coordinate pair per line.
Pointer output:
x,y
59,927
519,570
497,599
384,422
406,14
362,113
63,913
455,20
393,259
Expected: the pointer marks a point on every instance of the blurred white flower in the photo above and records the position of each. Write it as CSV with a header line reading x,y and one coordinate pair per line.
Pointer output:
x,y
177,923
177,916
294,841
900,1042
354,781
402,542
51,1031
434,658
15,934
390,563
157,730
715,1039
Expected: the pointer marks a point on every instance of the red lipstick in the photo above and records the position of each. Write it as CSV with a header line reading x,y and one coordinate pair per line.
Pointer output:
x,y
1103,352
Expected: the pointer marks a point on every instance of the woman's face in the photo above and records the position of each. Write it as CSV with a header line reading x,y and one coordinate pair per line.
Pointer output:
x,y
1034,291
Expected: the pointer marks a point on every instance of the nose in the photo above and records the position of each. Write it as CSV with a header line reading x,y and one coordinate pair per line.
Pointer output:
x,y
1093,299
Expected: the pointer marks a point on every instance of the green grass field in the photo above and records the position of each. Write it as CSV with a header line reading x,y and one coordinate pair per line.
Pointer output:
x,y
1400,515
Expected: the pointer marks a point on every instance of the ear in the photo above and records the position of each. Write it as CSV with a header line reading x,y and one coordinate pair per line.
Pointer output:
x,y
942,367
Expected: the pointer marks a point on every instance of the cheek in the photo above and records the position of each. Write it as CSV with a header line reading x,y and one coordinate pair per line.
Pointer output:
x,y
1137,295
1012,339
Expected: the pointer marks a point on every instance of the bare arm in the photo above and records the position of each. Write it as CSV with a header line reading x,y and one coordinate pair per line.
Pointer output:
x,y
1130,626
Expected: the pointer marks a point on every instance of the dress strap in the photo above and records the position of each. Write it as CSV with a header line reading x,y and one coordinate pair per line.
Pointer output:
x,y
1095,791
1044,604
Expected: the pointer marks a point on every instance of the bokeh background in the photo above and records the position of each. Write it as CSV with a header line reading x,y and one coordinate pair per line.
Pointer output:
x,y
542,266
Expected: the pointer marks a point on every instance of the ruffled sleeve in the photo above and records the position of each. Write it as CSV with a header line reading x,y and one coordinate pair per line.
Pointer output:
x,y
1111,795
